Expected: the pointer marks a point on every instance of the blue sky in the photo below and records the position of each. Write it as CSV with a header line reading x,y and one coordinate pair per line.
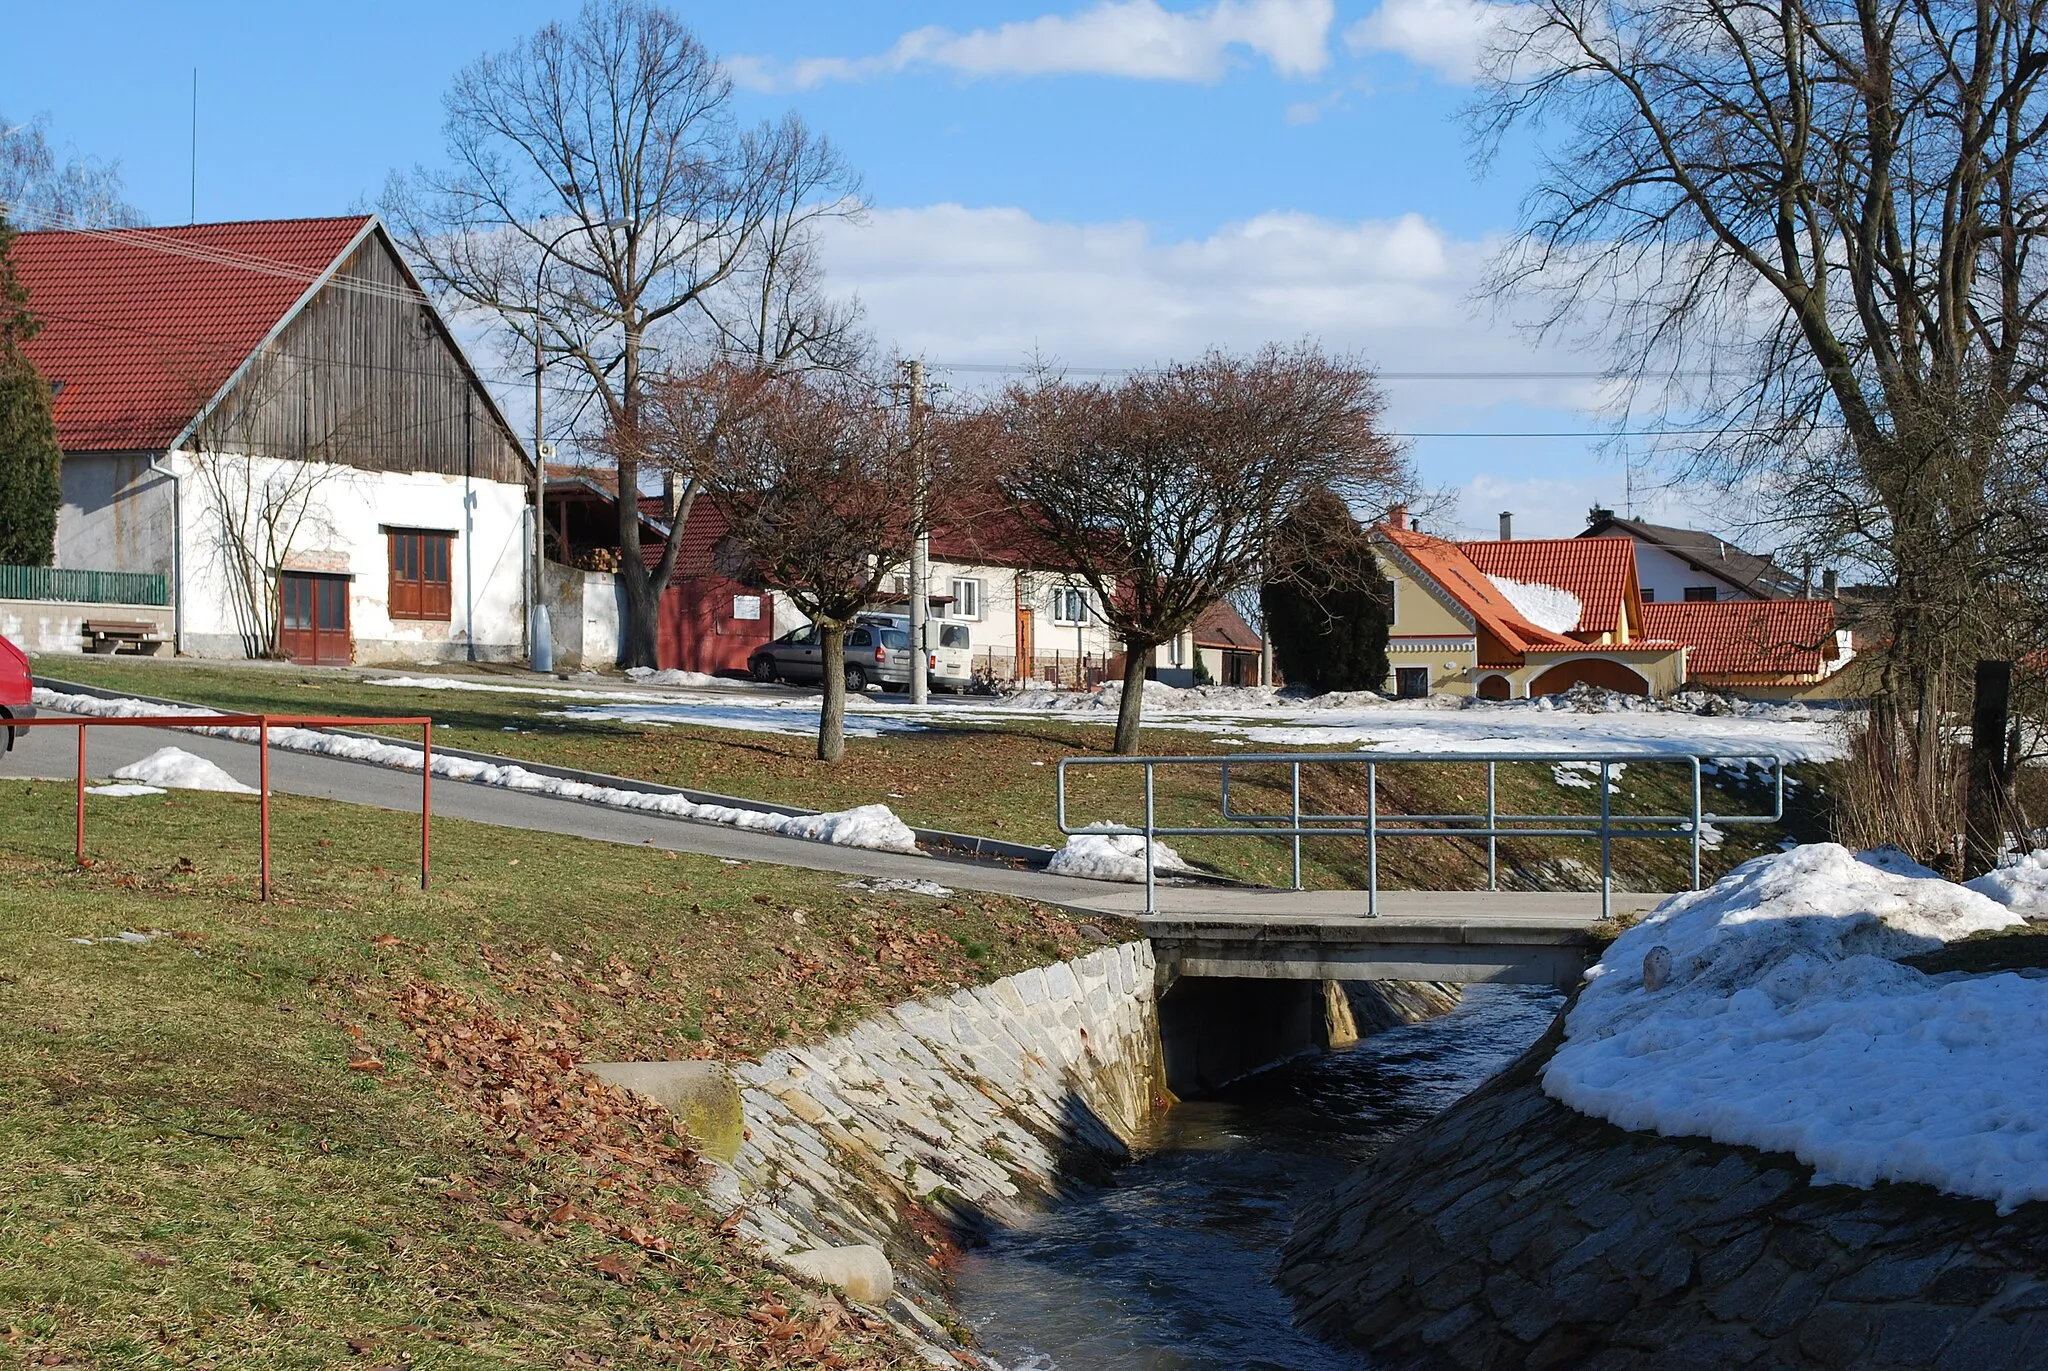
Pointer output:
x,y
1111,181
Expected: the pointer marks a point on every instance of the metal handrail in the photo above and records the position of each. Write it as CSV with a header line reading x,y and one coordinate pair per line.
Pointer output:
x,y
1492,825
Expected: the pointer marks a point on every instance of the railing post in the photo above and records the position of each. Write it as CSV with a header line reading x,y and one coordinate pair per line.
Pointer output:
x,y
81,792
1696,818
426,797
1372,840
263,798
1492,841
1606,845
1151,880
1296,767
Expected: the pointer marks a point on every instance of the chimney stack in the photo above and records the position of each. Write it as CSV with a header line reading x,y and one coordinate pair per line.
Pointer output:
x,y
1507,526
1598,515
1827,585
1397,517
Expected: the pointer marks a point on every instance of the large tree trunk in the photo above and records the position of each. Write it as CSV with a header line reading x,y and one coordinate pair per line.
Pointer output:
x,y
1990,775
832,714
1130,711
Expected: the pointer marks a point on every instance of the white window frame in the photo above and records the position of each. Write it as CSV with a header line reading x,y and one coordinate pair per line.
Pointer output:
x,y
1061,602
967,606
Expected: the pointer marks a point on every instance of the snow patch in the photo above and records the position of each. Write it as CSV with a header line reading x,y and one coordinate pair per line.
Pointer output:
x,y
868,826
1788,1024
173,768
896,885
1544,606
2021,887
669,676
1105,856
124,790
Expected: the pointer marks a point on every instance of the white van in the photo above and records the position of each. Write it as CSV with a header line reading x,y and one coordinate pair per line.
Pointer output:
x,y
950,656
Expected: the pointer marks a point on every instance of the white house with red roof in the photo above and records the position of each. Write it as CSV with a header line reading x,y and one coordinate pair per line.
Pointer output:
x,y
274,418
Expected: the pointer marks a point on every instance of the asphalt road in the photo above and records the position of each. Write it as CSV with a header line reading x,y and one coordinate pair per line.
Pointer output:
x,y
52,753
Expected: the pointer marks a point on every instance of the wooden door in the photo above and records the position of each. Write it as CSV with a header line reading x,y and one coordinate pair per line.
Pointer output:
x,y
1024,644
312,623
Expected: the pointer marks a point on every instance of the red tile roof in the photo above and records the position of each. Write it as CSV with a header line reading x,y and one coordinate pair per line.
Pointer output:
x,y
1222,626
1599,572
141,327
1748,637
1447,564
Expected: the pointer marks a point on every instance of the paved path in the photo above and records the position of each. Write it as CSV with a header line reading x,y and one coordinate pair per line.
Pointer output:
x,y
1235,926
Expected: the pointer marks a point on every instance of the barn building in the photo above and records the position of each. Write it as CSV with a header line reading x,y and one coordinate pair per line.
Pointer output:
x,y
271,417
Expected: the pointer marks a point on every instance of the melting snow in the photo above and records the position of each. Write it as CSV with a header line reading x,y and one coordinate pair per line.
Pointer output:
x,y
2023,886
1787,1024
1542,605
173,768
1112,856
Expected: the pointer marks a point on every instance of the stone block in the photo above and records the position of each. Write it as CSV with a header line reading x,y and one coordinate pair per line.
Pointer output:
x,y
1836,1335
1890,1278
1914,1335
861,1272
704,1096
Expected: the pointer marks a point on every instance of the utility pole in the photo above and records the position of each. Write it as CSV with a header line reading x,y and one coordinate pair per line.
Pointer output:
x,y
540,644
921,550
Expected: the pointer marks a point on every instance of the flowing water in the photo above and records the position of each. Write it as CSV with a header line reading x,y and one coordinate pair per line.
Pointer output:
x,y
1171,1267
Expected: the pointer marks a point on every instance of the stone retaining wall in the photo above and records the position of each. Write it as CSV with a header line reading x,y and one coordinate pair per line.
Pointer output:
x,y
945,1116
1512,1232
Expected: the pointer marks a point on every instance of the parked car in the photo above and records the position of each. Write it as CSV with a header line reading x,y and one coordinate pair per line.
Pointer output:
x,y
17,699
875,654
950,657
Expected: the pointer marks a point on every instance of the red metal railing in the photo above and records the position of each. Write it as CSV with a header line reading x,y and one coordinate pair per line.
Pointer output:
x,y
262,723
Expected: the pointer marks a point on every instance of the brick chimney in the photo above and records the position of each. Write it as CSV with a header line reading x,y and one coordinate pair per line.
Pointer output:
x,y
1397,517
1507,526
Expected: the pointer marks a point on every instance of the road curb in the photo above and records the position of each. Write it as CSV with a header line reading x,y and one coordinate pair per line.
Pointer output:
x,y
968,845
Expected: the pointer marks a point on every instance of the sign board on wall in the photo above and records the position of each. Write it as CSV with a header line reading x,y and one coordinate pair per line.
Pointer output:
x,y
746,606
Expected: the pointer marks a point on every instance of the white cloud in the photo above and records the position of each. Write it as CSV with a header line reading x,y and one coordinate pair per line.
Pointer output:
x,y
1130,38
1446,36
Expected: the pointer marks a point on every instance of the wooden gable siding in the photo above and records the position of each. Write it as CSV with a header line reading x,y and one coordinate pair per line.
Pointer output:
x,y
368,379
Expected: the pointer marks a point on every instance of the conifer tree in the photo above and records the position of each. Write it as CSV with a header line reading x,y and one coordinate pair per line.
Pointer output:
x,y
29,457
1325,601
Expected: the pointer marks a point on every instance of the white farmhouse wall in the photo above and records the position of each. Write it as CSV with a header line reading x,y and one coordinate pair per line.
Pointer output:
x,y
348,535
114,515
1664,577
585,609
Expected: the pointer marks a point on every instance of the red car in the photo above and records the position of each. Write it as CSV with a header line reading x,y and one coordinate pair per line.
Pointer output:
x,y
16,699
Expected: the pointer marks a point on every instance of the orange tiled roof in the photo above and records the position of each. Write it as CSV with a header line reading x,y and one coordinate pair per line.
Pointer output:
x,y
1447,564
1748,637
1599,572
141,327
1222,626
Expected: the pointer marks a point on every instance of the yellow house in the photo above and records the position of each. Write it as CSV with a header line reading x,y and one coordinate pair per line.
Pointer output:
x,y
1509,620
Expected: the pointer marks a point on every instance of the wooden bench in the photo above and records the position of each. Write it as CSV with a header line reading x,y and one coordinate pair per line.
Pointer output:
x,y
107,636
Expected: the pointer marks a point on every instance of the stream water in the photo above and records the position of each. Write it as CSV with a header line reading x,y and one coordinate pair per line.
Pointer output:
x,y
1171,1266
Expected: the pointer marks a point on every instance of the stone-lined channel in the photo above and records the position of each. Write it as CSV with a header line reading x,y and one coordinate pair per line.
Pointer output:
x,y
1170,1266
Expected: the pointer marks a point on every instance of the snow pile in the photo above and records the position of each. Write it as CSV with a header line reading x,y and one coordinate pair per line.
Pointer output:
x,y
645,675
1586,775
173,768
870,826
1102,855
2022,887
1786,1024
1544,606
896,885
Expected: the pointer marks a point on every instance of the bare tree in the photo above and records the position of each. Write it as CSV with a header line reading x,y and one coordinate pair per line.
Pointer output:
x,y
812,474
1816,221
603,195
41,192
1166,492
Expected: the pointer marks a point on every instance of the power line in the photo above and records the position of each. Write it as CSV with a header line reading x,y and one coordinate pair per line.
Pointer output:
x,y
1018,368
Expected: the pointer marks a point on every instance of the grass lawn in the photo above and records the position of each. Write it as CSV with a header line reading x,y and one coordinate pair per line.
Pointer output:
x,y
999,779
347,1127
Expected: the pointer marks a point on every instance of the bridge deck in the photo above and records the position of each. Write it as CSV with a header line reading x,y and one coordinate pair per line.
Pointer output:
x,y
1512,937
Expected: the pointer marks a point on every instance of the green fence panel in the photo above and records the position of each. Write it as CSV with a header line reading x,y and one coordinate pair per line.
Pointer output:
x,y
86,587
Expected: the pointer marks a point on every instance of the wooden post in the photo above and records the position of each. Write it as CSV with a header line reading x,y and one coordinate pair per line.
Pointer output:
x,y
1990,769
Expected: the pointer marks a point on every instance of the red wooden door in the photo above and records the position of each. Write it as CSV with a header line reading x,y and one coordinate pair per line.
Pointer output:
x,y
312,624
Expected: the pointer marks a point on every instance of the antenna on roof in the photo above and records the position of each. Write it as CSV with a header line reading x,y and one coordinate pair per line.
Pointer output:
x,y
193,216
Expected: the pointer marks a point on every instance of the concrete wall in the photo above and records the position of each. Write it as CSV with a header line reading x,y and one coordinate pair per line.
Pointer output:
x,y
115,514
585,609
59,626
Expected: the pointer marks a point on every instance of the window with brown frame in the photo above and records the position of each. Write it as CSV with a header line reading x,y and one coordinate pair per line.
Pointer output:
x,y
420,584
